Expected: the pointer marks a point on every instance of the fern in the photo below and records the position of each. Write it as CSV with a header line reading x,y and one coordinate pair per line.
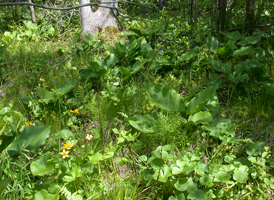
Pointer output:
x,y
67,194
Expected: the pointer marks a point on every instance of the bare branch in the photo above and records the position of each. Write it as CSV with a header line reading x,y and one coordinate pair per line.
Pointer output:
x,y
68,8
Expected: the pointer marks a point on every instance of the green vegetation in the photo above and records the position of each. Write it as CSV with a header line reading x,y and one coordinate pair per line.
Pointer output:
x,y
170,109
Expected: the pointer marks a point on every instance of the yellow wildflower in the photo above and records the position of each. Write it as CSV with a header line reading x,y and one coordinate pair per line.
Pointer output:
x,y
89,136
64,154
28,123
68,146
75,111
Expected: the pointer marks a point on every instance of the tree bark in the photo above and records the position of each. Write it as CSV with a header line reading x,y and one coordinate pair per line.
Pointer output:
x,y
260,9
249,18
92,22
32,12
223,5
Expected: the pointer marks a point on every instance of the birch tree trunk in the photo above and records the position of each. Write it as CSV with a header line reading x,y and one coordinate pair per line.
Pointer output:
x,y
32,12
92,22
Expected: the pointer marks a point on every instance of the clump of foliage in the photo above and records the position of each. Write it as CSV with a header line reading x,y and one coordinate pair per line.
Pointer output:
x,y
169,112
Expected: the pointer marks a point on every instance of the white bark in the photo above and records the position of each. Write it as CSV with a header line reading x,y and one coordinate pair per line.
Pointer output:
x,y
32,12
92,22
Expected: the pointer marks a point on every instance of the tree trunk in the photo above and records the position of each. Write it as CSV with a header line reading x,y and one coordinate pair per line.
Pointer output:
x,y
32,12
223,4
92,22
249,18
260,9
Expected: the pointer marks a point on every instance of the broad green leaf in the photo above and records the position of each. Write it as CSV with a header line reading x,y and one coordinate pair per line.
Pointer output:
x,y
242,51
136,66
30,25
212,43
234,35
3,184
201,117
31,138
66,134
271,51
269,88
176,169
144,123
227,168
76,101
6,141
189,55
110,61
219,66
94,159
239,79
75,170
196,194
207,180
66,87
189,167
254,39
42,167
224,51
163,175
222,176
108,155
99,44
120,48
131,45
44,94
45,195
182,185
110,48
165,98
197,103
241,174
89,38
122,161
5,110
137,31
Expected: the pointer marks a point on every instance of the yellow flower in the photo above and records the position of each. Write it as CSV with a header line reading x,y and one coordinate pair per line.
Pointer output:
x,y
89,136
68,146
75,111
64,154
28,123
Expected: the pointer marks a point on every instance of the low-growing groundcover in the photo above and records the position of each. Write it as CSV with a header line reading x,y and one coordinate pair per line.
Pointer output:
x,y
135,118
